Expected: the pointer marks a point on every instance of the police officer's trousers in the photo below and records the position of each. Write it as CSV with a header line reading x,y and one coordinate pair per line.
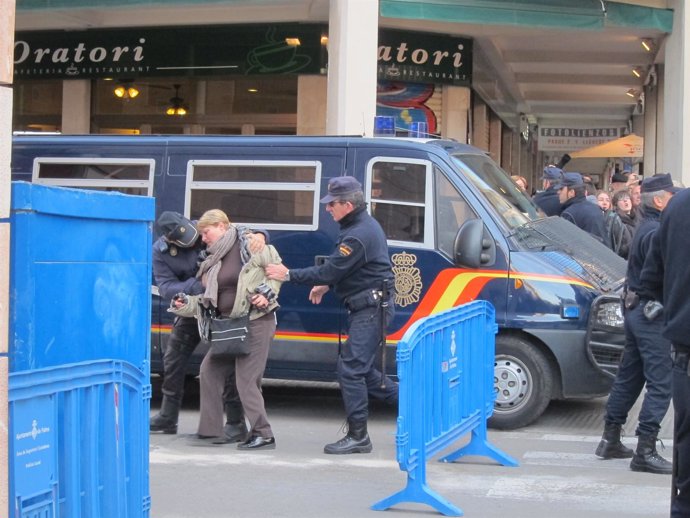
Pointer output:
x,y
646,359
358,376
680,496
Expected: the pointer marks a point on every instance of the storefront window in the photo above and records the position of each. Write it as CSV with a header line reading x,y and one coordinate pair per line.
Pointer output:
x,y
37,105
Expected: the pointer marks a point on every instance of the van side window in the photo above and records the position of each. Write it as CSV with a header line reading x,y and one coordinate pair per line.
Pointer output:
x,y
451,212
98,174
398,199
269,194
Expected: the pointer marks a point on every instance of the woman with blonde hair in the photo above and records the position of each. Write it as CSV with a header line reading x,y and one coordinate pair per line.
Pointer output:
x,y
235,284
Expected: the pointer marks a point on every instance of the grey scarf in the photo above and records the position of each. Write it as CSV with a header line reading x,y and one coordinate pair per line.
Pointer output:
x,y
209,268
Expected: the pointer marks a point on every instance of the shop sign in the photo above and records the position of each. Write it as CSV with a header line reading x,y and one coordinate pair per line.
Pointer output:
x,y
560,138
163,51
421,57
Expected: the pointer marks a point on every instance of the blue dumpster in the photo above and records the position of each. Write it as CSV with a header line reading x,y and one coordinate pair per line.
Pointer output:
x,y
79,389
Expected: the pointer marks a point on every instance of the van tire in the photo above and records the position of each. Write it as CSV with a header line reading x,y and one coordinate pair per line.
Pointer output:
x,y
523,383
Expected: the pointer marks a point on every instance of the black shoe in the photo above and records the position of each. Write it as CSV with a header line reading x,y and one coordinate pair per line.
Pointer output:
x,y
257,442
349,444
235,432
206,440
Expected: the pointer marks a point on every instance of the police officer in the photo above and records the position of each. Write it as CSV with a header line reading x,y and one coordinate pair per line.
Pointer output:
x,y
360,272
175,263
666,274
547,200
646,357
576,209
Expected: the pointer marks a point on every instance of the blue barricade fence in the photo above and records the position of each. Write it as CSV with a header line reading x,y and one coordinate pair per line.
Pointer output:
x,y
79,441
446,372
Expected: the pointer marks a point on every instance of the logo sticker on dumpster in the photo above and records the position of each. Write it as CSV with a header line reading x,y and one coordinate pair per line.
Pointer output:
x,y
33,444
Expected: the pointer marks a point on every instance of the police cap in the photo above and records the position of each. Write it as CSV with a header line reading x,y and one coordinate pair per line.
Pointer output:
x,y
340,187
570,180
659,182
552,173
177,229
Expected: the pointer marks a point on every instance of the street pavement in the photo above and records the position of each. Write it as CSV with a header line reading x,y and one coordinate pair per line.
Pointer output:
x,y
558,474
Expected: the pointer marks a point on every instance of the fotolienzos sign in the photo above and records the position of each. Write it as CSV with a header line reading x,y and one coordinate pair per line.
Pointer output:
x,y
229,50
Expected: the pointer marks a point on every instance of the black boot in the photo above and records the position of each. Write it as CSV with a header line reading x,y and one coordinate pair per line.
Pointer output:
x,y
647,459
611,446
356,440
235,429
165,420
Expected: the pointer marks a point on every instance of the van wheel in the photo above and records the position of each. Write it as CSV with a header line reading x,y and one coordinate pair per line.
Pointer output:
x,y
522,382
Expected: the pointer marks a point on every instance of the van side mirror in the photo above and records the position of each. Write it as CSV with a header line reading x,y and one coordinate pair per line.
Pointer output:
x,y
474,247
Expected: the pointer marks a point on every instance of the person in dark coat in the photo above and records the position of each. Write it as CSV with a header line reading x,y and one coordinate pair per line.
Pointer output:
x,y
547,200
359,270
576,208
667,276
647,355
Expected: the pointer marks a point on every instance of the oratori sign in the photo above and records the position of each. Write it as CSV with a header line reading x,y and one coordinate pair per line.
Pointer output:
x,y
560,138
421,57
165,51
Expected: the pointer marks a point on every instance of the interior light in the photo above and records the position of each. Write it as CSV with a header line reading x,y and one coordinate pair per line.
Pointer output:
x,y
632,93
324,40
637,71
647,44
293,42
126,91
252,90
177,105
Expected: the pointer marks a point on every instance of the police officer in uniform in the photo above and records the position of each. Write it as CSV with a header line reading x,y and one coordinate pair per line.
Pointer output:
x,y
175,263
547,200
666,273
360,272
646,357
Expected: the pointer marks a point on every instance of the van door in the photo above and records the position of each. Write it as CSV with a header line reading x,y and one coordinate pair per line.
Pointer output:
x,y
421,210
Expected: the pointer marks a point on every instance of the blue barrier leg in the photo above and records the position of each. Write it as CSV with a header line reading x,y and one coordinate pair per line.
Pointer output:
x,y
421,494
479,445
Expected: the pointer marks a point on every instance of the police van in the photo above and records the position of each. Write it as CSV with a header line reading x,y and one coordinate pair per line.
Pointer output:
x,y
458,229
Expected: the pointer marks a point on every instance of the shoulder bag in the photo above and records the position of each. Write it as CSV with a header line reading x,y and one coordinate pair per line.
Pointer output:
x,y
228,336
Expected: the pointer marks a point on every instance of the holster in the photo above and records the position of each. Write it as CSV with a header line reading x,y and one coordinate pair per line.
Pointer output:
x,y
631,300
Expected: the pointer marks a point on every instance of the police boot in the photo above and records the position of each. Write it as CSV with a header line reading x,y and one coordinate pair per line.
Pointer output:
x,y
165,420
356,440
647,459
235,429
611,446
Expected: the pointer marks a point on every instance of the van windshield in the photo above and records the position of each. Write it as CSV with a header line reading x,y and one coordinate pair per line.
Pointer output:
x,y
509,202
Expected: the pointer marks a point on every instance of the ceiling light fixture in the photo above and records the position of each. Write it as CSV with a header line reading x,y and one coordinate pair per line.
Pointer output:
x,y
324,40
647,44
177,105
637,71
126,91
293,42
633,93
252,90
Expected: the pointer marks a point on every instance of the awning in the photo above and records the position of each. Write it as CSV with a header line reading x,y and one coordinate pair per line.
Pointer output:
x,y
631,146
565,14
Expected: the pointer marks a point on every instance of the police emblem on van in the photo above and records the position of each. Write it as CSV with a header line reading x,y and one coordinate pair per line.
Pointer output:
x,y
408,281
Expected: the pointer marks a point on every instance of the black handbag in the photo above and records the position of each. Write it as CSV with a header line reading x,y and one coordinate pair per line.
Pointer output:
x,y
228,336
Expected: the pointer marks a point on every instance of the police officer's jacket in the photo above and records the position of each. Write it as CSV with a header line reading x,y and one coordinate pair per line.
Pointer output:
x,y
586,215
174,268
666,267
360,260
548,201
638,252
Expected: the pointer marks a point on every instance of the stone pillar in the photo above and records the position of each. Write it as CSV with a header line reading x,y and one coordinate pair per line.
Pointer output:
x,y
456,106
674,145
76,106
7,7
352,67
311,105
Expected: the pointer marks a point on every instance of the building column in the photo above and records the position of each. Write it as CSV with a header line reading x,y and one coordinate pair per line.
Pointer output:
x,y
352,49
673,146
6,78
311,105
76,107
456,106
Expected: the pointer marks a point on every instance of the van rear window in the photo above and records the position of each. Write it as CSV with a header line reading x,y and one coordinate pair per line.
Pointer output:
x,y
98,174
270,194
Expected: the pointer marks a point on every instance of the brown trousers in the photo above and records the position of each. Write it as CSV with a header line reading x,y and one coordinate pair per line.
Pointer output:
x,y
249,371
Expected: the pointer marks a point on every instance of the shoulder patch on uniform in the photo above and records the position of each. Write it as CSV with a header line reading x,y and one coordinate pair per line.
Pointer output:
x,y
344,250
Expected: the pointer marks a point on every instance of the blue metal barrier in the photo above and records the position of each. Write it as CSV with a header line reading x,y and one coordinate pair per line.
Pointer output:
x,y
446,373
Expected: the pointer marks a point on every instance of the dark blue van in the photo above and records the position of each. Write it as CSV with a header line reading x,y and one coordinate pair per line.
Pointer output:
x,y
458,229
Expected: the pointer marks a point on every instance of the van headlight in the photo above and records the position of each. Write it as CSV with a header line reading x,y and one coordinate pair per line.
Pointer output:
x,y
608,314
